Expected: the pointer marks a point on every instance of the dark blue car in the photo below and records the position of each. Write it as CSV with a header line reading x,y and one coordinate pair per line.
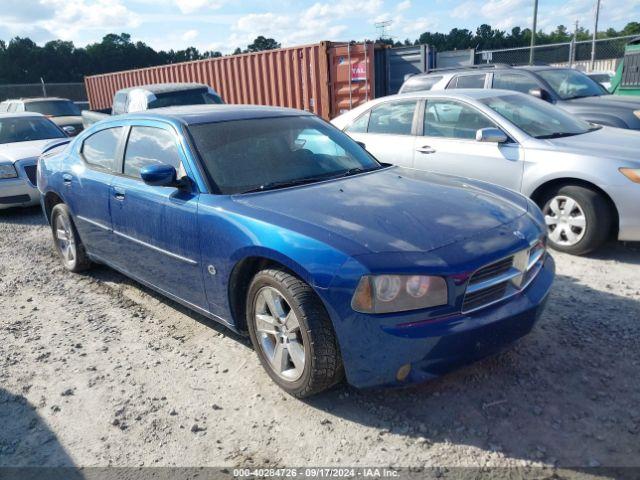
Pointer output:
x,y
274,223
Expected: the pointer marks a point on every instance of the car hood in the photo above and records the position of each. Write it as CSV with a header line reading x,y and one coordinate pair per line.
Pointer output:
x,y
621,102
606,142
391,210
12,152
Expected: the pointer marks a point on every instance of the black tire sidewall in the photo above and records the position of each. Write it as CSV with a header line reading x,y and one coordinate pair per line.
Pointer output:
x,y
261,280
597,215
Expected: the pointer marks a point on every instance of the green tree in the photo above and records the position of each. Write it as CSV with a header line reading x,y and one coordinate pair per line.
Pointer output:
x,y
261,43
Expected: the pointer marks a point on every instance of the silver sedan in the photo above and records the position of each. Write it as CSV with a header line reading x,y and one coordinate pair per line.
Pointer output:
x,y
585,178
23,137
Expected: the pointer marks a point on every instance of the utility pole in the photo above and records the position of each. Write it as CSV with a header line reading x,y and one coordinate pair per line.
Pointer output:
x,y
572,45
593,39
533,31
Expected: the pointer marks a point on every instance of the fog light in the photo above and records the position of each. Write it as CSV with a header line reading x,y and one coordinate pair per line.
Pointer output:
x,y
403,372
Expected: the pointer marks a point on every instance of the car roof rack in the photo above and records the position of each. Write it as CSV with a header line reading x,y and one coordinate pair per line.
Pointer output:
x,y
480,66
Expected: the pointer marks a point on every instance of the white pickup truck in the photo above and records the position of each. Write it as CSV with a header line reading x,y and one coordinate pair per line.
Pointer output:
x,y
146,97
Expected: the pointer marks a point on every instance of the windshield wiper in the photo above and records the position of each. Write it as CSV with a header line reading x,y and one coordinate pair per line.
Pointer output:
x,y
558,135
312,179
289,183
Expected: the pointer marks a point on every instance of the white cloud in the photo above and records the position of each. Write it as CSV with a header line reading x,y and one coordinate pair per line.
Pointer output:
x,y
190,6
189,35
402,6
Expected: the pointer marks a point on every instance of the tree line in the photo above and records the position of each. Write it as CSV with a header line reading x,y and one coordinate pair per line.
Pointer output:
x,y
23,61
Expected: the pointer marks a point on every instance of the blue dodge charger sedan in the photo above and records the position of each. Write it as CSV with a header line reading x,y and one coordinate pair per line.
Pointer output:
x,y
275,223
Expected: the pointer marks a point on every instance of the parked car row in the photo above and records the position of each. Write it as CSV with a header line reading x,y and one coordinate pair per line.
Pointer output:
x,y
60,111
385,265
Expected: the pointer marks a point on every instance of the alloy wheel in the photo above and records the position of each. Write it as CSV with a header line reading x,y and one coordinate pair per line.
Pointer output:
x,y
566,221
278,333
65,240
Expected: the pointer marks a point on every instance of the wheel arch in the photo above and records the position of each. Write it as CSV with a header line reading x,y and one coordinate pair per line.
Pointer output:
x,y
541,191
242,273
51,199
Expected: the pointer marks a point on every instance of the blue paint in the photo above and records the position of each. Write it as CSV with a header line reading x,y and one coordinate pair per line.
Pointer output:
x,y
329,233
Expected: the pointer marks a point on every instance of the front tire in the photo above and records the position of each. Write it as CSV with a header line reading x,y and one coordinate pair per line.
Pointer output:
x,y
292,334
67,241
578,219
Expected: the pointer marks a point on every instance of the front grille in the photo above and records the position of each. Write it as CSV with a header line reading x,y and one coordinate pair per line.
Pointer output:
x,y
31,170
503,278
492,270
484,297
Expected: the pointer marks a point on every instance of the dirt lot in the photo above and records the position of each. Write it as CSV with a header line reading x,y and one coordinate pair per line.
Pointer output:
x,y
95,370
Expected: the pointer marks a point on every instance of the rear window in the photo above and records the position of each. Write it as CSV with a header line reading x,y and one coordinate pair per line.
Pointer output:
x,y
420,84
186,97
53,108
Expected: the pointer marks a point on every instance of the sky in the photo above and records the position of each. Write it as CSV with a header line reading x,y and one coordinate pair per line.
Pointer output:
x,y
226,24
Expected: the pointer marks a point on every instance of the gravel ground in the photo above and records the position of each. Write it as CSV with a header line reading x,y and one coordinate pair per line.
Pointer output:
x,y
96,370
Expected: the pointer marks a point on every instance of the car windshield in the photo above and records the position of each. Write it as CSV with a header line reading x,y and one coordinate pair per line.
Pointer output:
x,y
53,108
261,154
536,117
25,129
570,84
186,97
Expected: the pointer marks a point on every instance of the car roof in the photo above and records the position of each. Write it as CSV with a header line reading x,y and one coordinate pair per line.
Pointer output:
x,y
196,114
36,99
463,93
159,88
20,114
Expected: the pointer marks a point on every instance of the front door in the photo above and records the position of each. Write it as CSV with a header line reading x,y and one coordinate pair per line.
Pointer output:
x,y
156,228
448,145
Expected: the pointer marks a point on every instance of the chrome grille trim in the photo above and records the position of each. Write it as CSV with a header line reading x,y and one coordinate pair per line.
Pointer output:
x,y
525,266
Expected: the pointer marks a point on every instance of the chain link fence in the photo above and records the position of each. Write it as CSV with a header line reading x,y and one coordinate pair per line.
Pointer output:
x,y
73,91
571,53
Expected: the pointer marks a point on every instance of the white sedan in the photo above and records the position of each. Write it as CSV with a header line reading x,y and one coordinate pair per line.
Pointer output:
x,y
23,137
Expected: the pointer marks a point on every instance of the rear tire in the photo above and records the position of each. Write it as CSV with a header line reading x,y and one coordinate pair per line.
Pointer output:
x,y
67,241
579,219
292,334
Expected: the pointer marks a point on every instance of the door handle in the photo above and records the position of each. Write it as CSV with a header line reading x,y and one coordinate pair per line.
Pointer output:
x,y
118,194
66,179
426,149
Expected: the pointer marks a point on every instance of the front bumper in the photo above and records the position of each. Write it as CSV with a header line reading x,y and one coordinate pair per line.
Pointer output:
x,y
376,352
627,201
19,191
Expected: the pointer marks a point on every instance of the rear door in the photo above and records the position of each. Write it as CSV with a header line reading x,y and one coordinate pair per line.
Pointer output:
x,y
448,145
387,130
86,191
156,228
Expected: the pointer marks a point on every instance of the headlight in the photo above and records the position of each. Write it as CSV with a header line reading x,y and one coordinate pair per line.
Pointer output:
x,y
632,174
398,293
8,171
637,113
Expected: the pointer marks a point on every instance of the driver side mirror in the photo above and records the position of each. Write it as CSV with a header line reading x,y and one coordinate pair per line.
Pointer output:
x,y
491,135
540,93
159,175
361,144
70,130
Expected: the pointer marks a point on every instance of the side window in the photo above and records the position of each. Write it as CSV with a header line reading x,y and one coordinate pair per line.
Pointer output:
x,y
148,146
100,148
393,117
469,81
119,103
360,125
450,119
513,81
